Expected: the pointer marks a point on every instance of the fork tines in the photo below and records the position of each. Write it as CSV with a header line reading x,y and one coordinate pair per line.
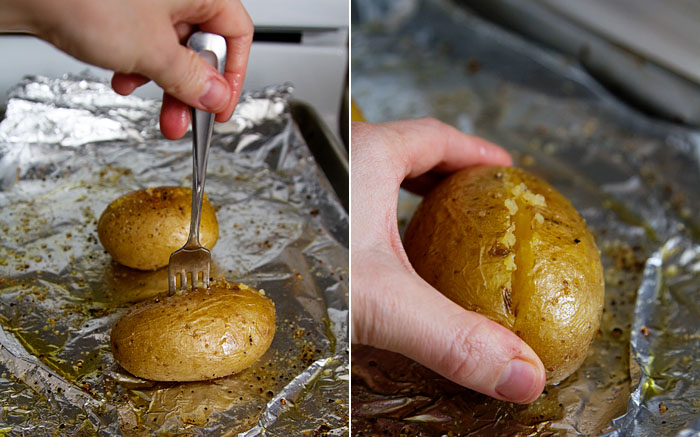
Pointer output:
x,y
188,265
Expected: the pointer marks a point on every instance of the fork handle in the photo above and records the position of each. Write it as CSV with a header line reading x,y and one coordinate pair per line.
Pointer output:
x,y
212,48
202,126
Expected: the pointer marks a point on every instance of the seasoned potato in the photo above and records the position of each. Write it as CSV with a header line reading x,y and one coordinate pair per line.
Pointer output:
x,y
504,243
199,335
141,229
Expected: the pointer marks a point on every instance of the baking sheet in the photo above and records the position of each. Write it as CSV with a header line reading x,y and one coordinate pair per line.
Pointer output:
x,y
70,146
634,179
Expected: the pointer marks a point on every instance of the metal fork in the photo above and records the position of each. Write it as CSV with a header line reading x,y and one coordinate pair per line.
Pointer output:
x,y
192,258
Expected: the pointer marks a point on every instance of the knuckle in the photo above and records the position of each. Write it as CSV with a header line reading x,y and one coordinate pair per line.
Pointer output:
x,y
181,84
172,67
464,358
151,64
208,8
248,26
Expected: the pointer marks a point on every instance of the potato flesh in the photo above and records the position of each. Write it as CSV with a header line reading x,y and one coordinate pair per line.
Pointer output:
x,y
503,243
556,274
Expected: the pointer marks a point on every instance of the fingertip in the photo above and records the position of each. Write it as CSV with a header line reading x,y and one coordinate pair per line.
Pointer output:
x,y
541,383
223,117
125,84
502,157
216,95
235,82
174,118
490,153
120,85
491,359
227,113
521,377
521,381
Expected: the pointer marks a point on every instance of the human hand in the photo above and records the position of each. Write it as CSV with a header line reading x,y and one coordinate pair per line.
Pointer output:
x,y
142,41
392,307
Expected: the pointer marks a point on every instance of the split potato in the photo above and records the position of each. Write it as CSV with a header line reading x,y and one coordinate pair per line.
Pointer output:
x,y
200,335
506,244
142,228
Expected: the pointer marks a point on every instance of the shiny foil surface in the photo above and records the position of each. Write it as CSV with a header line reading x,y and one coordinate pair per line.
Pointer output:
x,y
70,146
635,179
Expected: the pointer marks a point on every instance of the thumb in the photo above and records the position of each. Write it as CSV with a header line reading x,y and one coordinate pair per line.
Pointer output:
x,y
461,345
183,74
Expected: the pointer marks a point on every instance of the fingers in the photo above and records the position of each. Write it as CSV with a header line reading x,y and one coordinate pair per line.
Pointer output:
x,y
385,154
186,78
234,24
426,143
175,118
402,313
235,78
125,84
230,20
174,115
183,31
189,78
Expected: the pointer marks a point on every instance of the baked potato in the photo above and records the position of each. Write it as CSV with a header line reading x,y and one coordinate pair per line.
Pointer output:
x,y
200,335
506,244
142,228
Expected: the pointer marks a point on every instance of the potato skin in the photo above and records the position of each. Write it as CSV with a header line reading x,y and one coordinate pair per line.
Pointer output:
x,y
506,244
200,335
142,228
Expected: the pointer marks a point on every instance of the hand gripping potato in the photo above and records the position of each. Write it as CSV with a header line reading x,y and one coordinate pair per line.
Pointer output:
x,y
141,229
200,335
504,243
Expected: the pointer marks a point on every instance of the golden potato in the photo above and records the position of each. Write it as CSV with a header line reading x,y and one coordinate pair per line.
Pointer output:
x,y
199,335
141,229
506,244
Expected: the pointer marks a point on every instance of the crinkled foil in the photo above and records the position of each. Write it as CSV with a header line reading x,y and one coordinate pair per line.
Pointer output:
x,y
666,342
634,179
70,146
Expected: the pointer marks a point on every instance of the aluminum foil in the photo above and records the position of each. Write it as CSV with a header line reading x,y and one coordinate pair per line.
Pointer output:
x,y
633,178
666,342
70,146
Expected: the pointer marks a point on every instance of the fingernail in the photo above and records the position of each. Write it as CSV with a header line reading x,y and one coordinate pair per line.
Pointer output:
x,y
215,95
517,381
